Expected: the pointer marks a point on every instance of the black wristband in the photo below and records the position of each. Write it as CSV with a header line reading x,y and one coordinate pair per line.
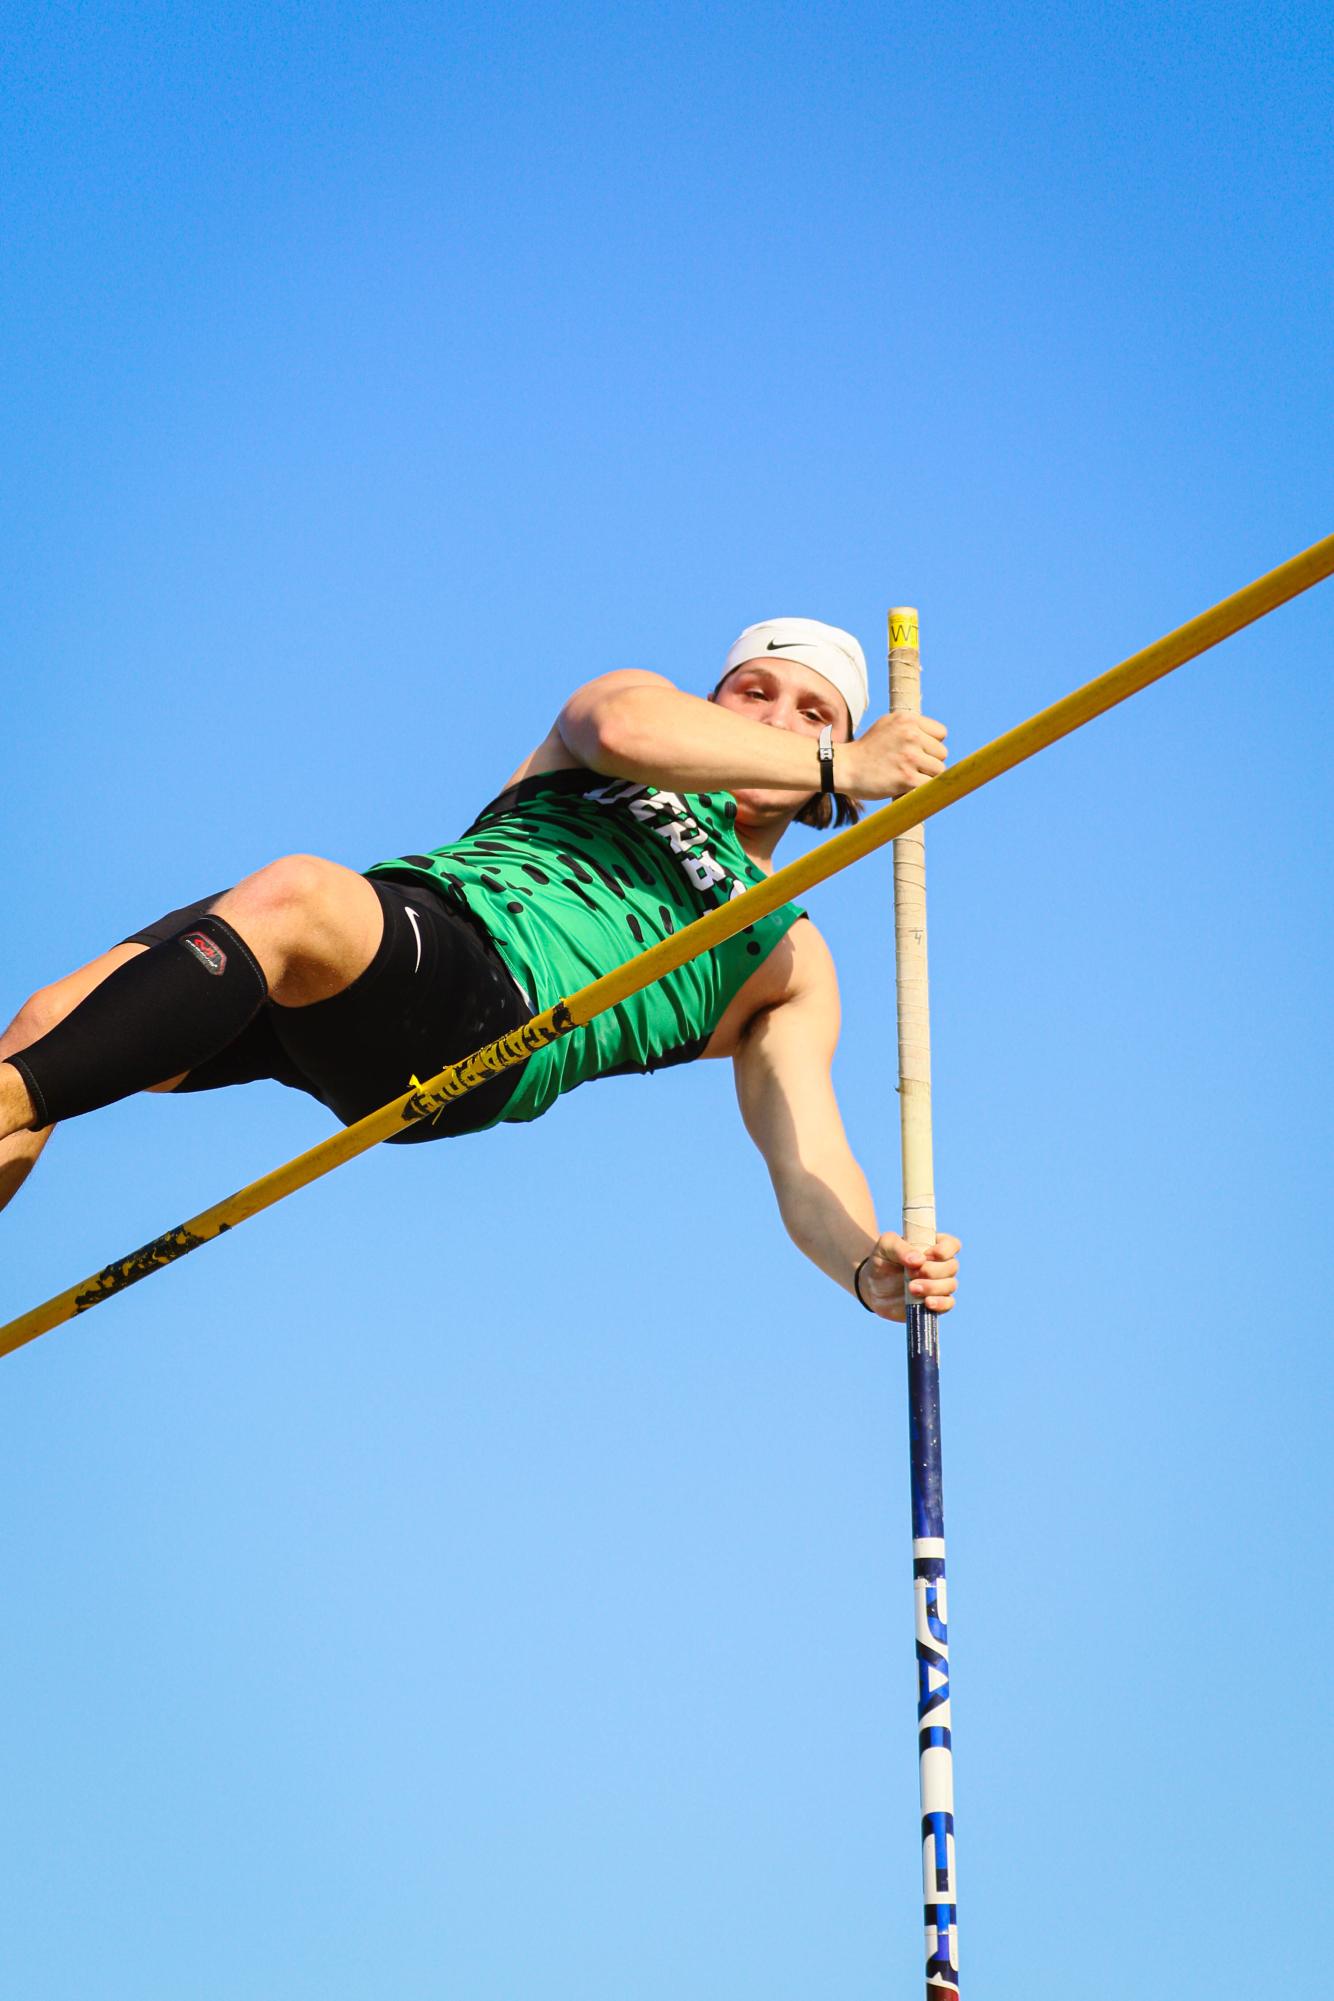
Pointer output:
x,y
857,1281
826,750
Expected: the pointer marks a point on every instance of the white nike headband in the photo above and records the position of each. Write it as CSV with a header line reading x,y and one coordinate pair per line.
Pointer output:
x,y
826,649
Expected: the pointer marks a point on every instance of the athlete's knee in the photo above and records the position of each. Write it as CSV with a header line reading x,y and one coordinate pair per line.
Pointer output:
x,y
312,923
291,903
302,883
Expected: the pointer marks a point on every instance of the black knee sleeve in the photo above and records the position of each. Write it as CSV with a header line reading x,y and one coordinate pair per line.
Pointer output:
x,y
161,1013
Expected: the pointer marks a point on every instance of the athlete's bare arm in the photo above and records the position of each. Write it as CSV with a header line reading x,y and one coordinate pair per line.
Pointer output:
x,y
637,725
783,1064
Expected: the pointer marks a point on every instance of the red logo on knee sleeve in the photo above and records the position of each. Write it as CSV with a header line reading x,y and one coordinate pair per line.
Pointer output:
x,y
209,954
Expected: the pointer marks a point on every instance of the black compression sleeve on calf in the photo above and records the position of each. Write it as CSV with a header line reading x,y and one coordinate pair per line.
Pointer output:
x,y
160,1013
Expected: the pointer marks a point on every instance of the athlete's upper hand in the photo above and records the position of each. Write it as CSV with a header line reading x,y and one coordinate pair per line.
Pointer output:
x,y
896,753
932,1276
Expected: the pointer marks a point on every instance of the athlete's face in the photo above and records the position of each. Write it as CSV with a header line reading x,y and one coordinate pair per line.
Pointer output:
x,y
783,695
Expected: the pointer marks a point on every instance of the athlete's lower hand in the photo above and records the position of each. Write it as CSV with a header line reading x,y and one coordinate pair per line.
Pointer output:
x,y
896,753
932,1276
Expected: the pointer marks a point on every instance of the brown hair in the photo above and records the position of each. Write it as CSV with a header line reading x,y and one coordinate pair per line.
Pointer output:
x,y
825,809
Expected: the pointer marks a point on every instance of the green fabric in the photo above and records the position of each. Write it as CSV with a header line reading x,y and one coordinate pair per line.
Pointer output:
x,y
572,874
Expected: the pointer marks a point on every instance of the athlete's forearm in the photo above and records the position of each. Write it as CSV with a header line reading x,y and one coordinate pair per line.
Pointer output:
x,y
657,735
828,1211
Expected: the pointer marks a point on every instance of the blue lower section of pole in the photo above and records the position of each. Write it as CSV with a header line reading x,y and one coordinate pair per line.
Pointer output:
x,y
928,1505
934,1740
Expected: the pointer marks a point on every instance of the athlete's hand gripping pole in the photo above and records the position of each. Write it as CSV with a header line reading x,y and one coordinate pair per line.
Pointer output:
x,y
934,1754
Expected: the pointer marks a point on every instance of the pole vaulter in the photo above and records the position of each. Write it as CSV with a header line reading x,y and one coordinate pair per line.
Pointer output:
x,y
1243,608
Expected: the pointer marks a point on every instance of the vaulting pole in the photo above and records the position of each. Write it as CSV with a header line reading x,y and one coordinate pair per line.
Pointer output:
x,y
1024,741
935,1758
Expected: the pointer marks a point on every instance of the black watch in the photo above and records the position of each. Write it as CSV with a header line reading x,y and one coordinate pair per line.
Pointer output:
x,y
826,748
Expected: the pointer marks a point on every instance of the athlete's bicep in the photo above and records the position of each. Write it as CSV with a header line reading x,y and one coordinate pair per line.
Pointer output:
x,y
607,713
586,724
572,743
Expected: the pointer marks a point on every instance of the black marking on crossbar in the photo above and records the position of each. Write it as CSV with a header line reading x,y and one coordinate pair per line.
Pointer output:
x,y
163,1250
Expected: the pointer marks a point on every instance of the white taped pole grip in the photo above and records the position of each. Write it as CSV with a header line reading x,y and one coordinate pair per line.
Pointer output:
x,y
919,1197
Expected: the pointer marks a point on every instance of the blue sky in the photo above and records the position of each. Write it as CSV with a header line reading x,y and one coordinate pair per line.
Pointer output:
x,y
488,1574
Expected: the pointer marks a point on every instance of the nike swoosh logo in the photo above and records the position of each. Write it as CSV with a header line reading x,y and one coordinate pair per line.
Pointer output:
x,y
786,645
416,932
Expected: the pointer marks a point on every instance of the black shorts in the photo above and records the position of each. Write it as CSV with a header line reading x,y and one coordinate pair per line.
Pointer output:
x,y
436,990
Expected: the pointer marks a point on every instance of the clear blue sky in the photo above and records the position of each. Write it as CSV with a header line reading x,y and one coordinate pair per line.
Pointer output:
x,y
487,1575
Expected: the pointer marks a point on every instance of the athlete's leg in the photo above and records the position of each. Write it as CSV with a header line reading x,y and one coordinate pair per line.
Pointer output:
x,y
300,931
19,1152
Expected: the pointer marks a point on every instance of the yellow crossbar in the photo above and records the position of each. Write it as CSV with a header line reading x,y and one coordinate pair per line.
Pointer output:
x,y
972,772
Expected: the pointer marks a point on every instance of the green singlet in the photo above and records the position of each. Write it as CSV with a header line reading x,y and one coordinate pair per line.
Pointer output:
x,y
572,874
